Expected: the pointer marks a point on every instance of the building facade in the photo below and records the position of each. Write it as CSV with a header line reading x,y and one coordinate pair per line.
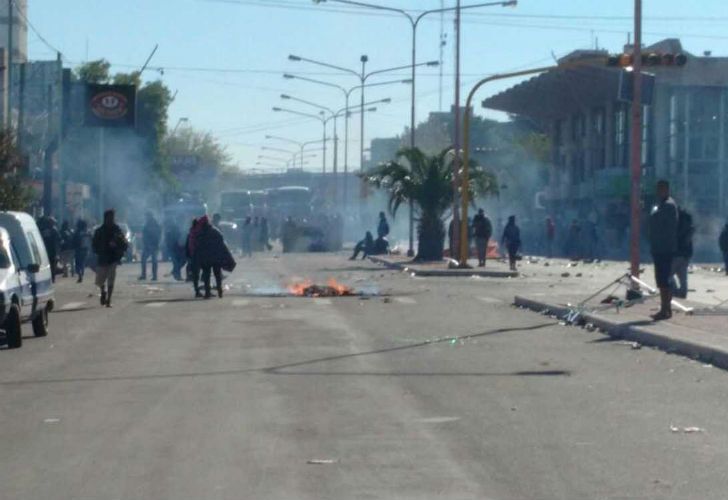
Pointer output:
x,y
684,135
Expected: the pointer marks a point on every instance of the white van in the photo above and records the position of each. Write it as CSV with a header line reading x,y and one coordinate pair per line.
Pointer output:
x,y
26,289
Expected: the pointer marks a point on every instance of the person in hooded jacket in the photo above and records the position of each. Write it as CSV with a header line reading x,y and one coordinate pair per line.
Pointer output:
x,y
212,254
52,241
81,244
511,240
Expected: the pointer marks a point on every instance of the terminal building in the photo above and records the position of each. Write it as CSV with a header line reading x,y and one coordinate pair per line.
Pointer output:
x,y
684,135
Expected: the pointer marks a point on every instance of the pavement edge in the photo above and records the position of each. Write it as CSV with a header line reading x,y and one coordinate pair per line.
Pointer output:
x,y
683,345
444,273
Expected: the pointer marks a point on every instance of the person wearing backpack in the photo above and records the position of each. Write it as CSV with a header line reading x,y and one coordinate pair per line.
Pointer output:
x,y
681,259
723,242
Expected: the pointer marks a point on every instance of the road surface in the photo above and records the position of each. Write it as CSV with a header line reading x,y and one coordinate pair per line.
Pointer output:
x,y
430,389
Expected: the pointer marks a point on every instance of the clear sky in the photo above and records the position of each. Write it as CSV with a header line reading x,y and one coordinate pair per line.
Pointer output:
x,y
225,58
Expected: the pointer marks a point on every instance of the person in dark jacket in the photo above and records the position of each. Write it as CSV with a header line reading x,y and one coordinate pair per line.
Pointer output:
x,y
109,244
365,246
482,231
681,261
662,228
211,254
723,243
383,226
511,240
66,246
52,241
81,244
151,236
193,264
172,236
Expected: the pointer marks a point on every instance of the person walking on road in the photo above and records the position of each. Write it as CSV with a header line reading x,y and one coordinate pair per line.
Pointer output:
x,y
663,228
265,235
66,246
193,264
511,240
681,261
151,236
723,243
81,244
109,244
213,254
52,241
482,231
172,236
383,226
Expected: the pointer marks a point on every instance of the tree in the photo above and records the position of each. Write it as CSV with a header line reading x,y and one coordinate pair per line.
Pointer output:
x,y
427,182
94,71
203,145
15,194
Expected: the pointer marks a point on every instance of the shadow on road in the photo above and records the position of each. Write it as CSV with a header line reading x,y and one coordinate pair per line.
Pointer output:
x,y
283,369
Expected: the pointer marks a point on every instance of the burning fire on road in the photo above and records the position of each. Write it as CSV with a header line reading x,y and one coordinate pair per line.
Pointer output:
x,y
331,289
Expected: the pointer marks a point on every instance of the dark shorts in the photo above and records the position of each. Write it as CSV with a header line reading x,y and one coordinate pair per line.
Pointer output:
x,y
663,269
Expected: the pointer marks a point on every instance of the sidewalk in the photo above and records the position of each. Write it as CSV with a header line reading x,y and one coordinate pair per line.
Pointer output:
x,y
493,269
559,287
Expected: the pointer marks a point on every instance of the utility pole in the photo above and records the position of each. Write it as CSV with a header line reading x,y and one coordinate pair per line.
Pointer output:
x,y
10,63
636,143
442,48
456,143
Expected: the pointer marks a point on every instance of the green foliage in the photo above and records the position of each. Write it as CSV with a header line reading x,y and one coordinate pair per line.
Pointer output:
x,y
15,194
426,181
188,141
94,71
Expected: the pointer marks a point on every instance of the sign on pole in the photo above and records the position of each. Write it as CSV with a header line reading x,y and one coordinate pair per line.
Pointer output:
x,y
110,105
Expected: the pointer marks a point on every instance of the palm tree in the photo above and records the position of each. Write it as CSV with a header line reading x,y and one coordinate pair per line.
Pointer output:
x,y
427,182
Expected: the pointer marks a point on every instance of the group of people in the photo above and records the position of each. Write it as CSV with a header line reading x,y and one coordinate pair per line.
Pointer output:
x,y
481,231
369,246
68,249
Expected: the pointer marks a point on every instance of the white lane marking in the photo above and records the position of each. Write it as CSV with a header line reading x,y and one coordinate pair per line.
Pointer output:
x,y
156,304
240,302
490,300
405,300
322,302
72,305
438,420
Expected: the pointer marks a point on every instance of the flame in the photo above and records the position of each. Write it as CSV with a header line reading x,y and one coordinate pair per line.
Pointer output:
x,y
338,288
299,289
307,288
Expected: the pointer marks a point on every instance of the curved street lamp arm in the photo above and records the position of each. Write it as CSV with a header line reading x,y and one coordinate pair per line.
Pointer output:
x,y
313,80
397,68
307,115
284,139
377,84
511,3
321,63
303,101
371,6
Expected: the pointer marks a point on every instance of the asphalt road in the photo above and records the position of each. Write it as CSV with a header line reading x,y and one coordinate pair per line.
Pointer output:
x,y
436,388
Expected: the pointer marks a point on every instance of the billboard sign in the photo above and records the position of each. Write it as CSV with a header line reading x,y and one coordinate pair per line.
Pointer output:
x,y
110,105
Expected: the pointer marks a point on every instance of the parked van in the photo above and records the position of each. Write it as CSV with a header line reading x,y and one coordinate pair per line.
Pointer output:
x,y
26,290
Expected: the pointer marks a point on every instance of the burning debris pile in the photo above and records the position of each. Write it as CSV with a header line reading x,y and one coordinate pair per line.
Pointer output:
x,y
331,289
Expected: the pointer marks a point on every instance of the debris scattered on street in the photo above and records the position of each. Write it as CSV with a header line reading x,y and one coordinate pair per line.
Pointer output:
x,y
321,461
686,430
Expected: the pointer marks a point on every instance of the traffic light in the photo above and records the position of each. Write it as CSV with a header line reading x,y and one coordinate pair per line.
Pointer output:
x,y
648,59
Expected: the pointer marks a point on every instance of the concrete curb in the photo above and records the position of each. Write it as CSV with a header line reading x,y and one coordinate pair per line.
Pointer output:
x,y
444,273
683,345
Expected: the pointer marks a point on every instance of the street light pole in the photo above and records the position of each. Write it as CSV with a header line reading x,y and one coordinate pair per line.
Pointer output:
x,y
347,95
414,22
636,146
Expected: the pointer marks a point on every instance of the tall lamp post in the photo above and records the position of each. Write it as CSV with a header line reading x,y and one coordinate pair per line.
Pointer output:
x,y
347,95
363,76
414,21
301,145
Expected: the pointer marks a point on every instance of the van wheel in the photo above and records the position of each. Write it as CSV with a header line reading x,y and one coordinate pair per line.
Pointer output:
x,y
40,323
13,329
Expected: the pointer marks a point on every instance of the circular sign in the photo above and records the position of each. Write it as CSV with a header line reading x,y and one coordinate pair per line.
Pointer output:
x,y
110,105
